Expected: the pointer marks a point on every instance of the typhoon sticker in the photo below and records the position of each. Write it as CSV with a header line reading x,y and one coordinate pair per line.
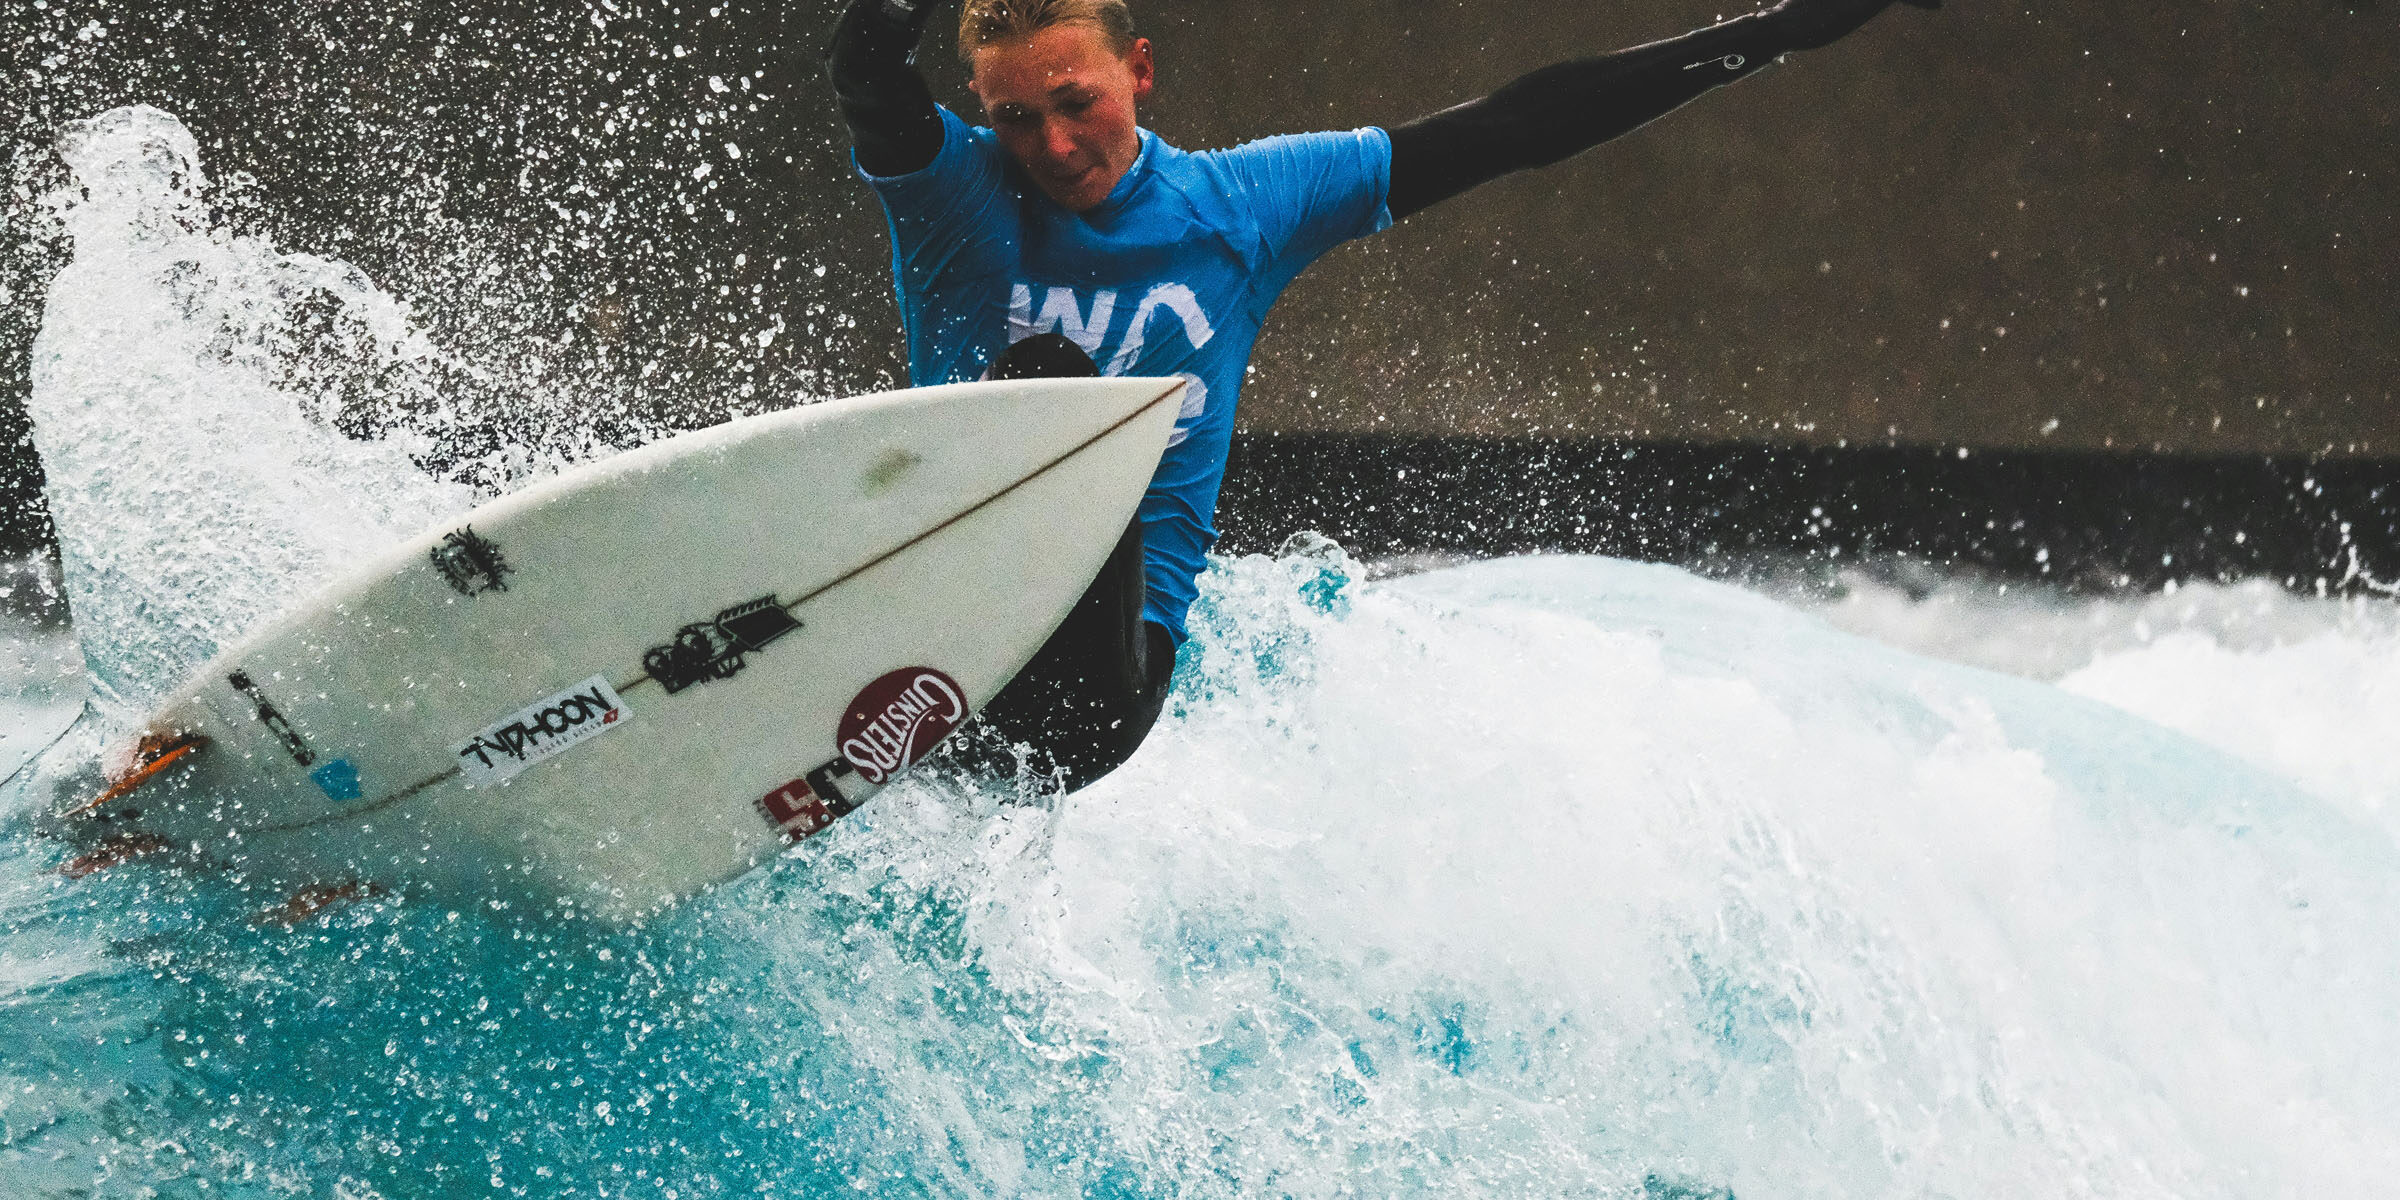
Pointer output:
x,y
542,730
897,718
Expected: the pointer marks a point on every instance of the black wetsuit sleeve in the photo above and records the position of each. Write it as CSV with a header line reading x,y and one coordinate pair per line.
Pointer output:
x,y
871,59
1561,110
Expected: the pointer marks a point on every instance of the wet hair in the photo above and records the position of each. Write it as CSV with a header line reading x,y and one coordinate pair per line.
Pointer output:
x,y
988,22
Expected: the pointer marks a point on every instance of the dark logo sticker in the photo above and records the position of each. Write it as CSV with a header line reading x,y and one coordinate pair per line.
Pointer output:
x,y
898,718
471,562
716,648
840,786
271,718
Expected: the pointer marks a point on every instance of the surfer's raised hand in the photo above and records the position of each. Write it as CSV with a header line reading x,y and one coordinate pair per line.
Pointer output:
x,y
893,121
1810,24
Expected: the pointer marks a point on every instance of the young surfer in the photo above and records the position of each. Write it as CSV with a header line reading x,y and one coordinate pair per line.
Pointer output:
x,y
1063,238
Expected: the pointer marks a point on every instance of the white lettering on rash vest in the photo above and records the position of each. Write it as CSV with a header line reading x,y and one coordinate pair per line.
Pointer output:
x,y
1061,311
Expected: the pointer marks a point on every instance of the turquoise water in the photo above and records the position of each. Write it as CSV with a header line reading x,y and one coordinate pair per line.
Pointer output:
x,y
1540,876
1557,876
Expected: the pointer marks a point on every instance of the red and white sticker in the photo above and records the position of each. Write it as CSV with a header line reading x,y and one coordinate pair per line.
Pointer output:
x,y
795,810
897,718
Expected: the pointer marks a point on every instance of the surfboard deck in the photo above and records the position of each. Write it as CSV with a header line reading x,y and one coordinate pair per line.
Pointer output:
x,y
652,673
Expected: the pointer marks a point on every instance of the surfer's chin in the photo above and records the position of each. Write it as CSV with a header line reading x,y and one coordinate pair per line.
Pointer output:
x,y
1082,191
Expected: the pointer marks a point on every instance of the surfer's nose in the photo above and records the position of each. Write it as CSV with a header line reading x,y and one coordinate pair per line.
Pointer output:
x,y
1059,146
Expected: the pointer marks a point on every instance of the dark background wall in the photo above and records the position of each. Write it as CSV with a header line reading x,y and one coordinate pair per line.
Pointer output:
x,y
2159,226
2063,228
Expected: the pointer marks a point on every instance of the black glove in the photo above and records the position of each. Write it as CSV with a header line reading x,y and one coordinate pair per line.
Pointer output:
x,y
904,20
892,116
1809,24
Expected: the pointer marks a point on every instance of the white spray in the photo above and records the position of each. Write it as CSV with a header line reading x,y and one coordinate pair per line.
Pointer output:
x,y
195,477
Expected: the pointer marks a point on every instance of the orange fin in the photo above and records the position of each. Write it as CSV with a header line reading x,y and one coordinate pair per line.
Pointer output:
x,y
155,754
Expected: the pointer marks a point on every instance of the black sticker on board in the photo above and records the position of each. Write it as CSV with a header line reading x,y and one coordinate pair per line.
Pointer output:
x,y
717,648
470,562
270,717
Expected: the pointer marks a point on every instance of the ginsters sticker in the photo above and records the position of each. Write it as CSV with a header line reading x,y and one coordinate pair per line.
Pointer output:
x,y
898,717
542,729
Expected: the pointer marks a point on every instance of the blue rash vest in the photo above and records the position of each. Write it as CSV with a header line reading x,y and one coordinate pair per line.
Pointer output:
x,y
1172,274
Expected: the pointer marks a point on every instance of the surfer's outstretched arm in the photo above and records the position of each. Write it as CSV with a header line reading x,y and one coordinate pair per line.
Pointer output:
x,y
1562,110
890,111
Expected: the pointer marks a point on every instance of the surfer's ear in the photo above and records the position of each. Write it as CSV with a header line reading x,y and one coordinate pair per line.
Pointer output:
x,y
1145,68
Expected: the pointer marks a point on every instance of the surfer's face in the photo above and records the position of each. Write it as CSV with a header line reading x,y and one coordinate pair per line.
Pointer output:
x,y
1062,102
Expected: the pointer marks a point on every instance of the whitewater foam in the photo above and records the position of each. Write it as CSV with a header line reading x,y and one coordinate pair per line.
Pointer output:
x,y
2305,687
1550,875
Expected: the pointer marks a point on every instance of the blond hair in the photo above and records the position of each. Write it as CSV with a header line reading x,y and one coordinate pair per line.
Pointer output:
x,y
988,22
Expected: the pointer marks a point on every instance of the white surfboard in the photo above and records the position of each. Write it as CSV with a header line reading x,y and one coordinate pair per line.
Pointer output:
x,y
652,673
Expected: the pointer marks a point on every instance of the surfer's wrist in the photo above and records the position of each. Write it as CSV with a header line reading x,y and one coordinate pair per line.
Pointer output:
x,y
906,18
